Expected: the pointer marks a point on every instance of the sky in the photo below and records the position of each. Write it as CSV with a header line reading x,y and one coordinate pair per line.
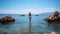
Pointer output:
x,y
26,6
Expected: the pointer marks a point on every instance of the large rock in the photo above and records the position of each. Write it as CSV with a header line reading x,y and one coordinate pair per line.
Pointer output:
x,y
53,18
6,19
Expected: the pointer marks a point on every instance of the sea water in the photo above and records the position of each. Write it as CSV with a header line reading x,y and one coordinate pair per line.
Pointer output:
x,y
21,25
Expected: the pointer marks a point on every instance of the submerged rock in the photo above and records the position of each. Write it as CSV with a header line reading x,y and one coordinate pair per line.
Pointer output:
x,y
55,18
6,19
22,15
36,15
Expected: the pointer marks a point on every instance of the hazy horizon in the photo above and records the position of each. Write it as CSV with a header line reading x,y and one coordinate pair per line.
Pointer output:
x,y
26,6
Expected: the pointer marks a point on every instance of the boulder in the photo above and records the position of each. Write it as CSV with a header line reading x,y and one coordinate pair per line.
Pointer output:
x,y
6,19
53,18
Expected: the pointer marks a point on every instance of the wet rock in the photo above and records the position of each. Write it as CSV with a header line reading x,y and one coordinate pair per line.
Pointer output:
x,y
5,33
53,18
6,19
36,15
22,15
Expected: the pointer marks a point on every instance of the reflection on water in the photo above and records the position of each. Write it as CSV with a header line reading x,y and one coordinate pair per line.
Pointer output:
x,y
56,26
21,25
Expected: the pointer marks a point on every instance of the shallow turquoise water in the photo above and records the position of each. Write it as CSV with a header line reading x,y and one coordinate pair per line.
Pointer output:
x,y
21,25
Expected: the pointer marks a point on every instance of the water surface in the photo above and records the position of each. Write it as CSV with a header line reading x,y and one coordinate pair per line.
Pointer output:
x,y
21,25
